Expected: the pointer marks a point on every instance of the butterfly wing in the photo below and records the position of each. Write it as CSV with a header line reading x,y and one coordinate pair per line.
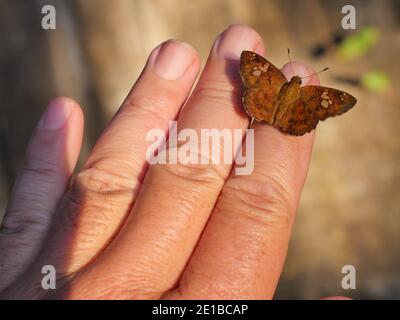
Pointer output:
x,y
315,103
263,82
326,102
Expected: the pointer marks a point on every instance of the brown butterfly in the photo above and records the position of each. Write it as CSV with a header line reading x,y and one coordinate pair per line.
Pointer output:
x,y
286,105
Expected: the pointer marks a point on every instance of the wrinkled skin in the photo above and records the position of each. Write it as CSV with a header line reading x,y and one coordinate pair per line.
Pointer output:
x,y
126,230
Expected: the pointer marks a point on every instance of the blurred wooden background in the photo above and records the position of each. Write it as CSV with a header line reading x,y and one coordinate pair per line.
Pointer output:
x,y
350,208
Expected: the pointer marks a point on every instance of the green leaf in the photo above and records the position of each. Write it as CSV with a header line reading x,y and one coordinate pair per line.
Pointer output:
x,y
376,81
359,43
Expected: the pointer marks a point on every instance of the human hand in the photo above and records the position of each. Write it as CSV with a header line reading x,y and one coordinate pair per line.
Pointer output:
x,y
127,230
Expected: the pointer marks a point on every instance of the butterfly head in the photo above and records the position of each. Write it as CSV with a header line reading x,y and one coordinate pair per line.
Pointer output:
x,y
296,80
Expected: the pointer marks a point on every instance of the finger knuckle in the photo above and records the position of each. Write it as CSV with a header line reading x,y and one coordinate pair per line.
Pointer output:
x,y
36,167
101,182
266,203
95,200
217,93
197,173
16,222
105,192
157,109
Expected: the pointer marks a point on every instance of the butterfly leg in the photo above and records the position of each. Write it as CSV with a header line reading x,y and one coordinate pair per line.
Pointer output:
x,y
251,122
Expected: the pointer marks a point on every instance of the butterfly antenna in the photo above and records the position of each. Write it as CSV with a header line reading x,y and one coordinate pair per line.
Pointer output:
x,y
290,61
313,74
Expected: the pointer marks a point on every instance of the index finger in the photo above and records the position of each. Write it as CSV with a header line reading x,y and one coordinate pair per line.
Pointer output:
x,y
243,248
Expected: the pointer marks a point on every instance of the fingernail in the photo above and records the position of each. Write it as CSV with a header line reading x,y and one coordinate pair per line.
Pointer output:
x,y
57,114
173,59
234,40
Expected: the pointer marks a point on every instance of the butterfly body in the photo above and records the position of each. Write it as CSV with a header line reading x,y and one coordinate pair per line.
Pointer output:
x,y
286,105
